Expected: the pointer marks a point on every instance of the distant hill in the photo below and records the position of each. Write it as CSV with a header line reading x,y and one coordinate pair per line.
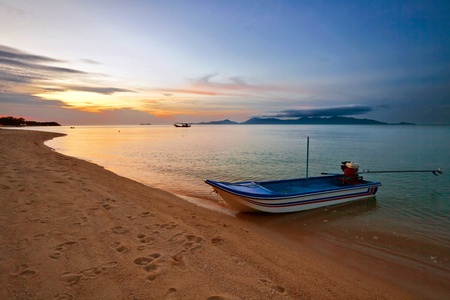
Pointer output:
x,y
223,122
315,121
308,121
12,121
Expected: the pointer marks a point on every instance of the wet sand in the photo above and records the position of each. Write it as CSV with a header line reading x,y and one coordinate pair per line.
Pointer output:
x,y
70,229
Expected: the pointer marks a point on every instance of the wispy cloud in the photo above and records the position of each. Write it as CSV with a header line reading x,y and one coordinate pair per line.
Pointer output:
x,y
23,71
331,111
15,54
20,64
91,89
237,86
26,99
23,68
171,91
90,61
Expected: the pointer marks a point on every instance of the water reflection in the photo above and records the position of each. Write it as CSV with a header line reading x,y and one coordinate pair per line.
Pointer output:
x,y
312,220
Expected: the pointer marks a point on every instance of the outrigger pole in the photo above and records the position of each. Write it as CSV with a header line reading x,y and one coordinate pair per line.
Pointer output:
x,y
435,172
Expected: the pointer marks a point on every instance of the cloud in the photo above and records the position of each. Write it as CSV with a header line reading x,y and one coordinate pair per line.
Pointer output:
x,y
27,71
13,9
19,70
100,90
25,65
235,83
15,77
90,61
90,89
26,99
238,86
331,111
169,92
14,54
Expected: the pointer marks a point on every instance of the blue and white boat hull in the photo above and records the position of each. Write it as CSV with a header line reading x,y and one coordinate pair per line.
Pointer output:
x,y
292,195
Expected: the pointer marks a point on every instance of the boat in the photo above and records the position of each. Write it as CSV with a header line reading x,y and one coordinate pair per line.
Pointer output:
x,y
292,195
178,124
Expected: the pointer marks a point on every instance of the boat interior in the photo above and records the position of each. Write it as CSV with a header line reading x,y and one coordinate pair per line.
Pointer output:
x,y
304,185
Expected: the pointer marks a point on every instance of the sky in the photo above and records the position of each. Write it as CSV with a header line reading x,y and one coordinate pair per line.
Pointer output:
x,y
93,62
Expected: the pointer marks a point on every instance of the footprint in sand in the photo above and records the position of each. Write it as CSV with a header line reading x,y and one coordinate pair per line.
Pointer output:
x,y
238,261
193,241
171,294
74,278
62,296
275,288
216,240
120,229
119,247
48,234
151,264
189,241
145,239
222,297
146,214
71,279
107,203
58,250
169,225
83,221
24,271
179,261
20,244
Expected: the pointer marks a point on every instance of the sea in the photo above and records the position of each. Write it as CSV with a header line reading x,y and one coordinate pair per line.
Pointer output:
x,y
410,215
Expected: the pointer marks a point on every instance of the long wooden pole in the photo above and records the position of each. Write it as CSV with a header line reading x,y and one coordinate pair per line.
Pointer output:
x,y
435,172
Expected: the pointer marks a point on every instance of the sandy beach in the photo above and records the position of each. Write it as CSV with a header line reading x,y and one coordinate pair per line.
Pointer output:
x,y
70,229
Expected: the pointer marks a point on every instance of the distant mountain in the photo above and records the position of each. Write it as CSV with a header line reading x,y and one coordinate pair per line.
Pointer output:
x,y
223,122
307,121
315,121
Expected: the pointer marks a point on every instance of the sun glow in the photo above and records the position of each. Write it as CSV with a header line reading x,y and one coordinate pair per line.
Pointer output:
x,y
87,101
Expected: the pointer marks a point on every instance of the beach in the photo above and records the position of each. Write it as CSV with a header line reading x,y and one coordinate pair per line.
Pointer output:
x,y
70,229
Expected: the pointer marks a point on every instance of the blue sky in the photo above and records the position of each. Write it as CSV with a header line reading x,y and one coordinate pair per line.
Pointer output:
x,y
128,62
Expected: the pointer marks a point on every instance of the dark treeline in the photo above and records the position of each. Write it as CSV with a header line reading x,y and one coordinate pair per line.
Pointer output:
x,y
12,121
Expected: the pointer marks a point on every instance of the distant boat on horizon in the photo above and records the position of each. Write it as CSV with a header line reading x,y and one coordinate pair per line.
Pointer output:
x,y
178,124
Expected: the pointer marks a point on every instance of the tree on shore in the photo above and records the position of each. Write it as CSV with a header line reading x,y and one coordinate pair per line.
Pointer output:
x,y
13,121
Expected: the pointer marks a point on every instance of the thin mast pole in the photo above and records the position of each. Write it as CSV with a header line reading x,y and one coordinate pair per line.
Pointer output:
x,y
307,156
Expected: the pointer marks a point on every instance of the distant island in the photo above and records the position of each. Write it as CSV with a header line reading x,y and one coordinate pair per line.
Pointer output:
x,y
305,121
223,122
20,122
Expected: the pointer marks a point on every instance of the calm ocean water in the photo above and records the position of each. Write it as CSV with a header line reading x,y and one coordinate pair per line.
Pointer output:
x,y
411,212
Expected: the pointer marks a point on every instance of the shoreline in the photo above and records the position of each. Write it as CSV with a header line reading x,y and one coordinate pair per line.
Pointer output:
x,y
71,229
